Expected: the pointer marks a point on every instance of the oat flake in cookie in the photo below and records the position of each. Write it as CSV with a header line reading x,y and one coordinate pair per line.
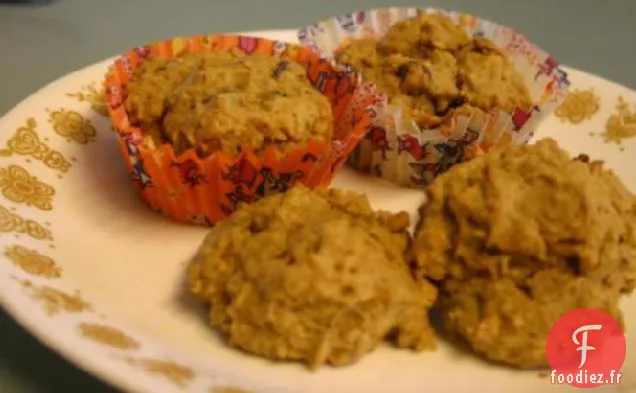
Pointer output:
x,y
315,276
520,236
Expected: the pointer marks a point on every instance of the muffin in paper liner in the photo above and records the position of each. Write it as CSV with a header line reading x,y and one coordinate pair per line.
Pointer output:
x,y
395,148
203,191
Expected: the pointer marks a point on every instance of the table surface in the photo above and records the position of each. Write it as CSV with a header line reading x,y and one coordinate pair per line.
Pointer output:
x,y
70,34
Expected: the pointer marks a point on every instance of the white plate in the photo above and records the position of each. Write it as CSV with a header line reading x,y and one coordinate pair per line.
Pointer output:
x,y
142,332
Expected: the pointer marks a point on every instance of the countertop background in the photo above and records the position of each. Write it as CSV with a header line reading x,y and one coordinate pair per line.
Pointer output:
x,y
41,41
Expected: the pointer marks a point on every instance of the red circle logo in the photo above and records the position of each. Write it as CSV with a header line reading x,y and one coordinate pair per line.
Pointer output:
x,y
586,349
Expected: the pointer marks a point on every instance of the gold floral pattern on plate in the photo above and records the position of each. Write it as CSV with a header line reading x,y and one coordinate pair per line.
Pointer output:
x,y
10,222
174,372
72,126
54,300
578,106
107,335
93,94
32,262
17,185
622,124
26,142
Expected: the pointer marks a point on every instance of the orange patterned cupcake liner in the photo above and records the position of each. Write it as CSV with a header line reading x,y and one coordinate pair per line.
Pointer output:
x,y
191,189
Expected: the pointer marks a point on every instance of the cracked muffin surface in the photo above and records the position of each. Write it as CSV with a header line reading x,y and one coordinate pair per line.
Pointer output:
x,y
519,236
227,102
430,67
315,276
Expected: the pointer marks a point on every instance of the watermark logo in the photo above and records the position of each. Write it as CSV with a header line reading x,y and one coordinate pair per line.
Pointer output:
x,y
586,348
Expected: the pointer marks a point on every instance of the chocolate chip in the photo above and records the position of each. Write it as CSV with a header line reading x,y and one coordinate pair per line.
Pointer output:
x,y
208,147
526,290
366,62
280,68
583,158
209,99
402,71
442,106
255,227
574,265
348,290
456,102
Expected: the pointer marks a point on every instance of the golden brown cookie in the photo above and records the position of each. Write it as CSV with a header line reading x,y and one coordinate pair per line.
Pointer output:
x,y
519,236
315,276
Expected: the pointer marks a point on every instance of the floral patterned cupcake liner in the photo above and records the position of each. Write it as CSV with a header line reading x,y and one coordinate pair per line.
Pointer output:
x,y
190,189
396,149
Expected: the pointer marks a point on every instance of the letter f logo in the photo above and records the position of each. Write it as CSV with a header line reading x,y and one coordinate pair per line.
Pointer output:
x,y
583,344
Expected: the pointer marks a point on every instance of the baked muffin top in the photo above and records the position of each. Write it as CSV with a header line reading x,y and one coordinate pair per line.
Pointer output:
x,y
316,276
227,102
430,67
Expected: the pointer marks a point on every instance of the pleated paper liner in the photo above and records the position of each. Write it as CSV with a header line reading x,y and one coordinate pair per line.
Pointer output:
x,y
396,149
190,189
